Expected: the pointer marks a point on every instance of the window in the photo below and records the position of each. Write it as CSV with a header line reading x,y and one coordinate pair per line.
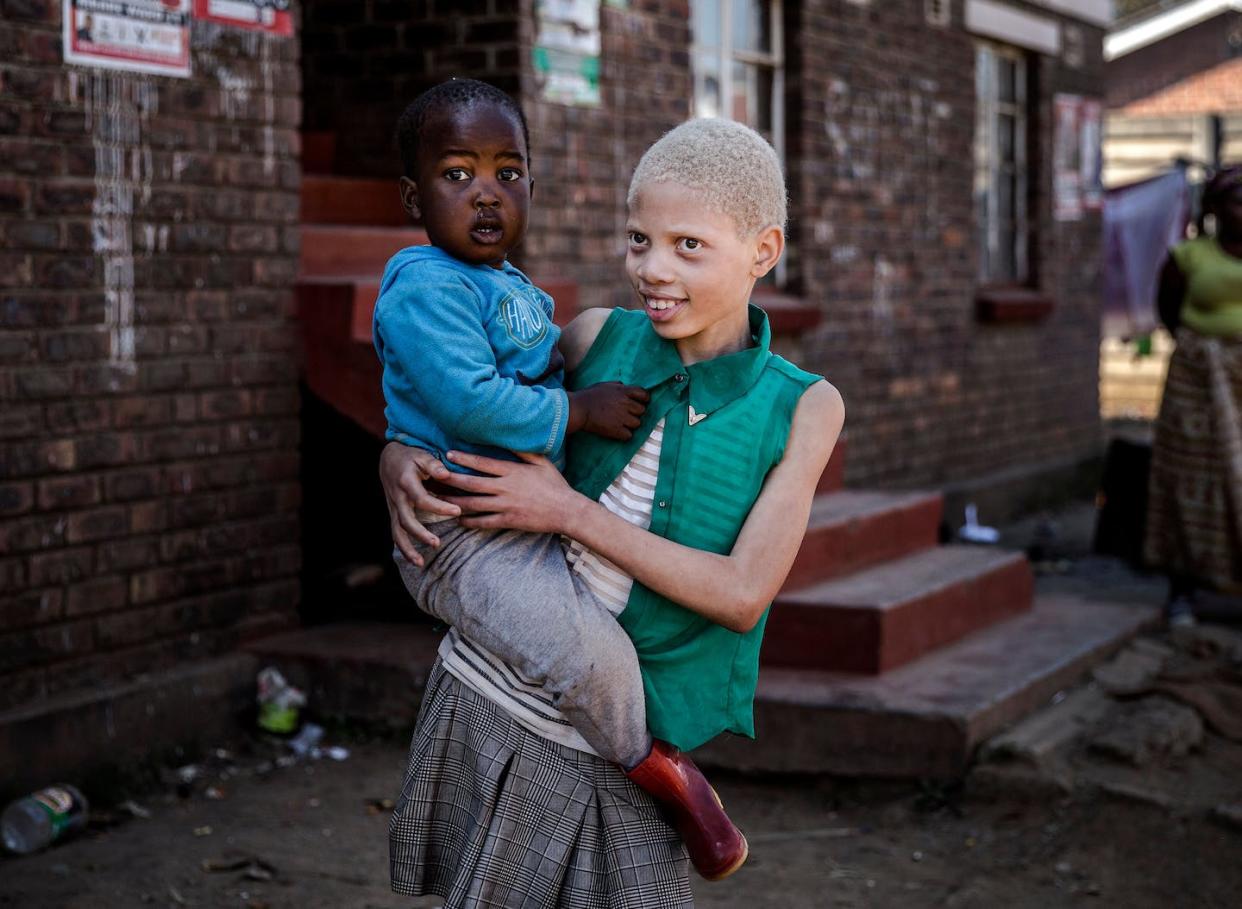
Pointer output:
x,y
737,63
1000,164
738,54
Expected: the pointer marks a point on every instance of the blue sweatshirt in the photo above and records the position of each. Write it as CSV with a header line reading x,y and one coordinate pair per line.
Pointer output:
x,y
469,358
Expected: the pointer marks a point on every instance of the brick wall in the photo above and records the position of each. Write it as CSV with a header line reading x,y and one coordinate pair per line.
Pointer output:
x,y
365,60
148,399
882,117
1148,70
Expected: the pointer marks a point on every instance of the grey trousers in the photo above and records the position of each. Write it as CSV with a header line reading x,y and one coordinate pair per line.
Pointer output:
x,y
513,594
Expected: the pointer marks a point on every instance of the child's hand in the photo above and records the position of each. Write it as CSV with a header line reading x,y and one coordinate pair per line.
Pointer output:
x,y
609,409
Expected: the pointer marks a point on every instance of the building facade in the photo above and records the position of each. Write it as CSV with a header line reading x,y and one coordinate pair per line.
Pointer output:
x,y
149,481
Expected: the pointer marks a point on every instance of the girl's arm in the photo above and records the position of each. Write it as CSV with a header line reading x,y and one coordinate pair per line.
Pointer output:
x,y
731,590
578,336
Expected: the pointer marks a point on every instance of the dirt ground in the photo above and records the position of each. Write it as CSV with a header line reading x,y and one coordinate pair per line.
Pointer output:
x,y
1086,822
814,843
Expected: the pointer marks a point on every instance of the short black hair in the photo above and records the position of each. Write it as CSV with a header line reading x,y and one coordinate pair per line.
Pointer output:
x,y
454,92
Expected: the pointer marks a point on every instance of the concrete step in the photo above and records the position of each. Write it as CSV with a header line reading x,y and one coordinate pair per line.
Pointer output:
x,y
99,734
926,718
852,530
335,250
875,620
340,306
373,671
351,200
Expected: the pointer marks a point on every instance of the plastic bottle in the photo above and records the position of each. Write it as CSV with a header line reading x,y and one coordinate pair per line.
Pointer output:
x,y
34,822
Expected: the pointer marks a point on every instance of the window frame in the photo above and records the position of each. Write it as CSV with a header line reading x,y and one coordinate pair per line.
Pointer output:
x,y
726,56
989,109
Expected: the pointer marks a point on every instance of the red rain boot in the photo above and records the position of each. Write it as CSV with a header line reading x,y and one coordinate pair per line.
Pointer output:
x,y
717,848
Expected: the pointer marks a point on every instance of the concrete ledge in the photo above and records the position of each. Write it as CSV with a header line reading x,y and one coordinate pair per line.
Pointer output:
x,y
926,718
369,671
85,734
1015,492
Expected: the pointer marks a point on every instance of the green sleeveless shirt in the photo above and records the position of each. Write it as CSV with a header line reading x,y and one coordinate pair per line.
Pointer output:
x,y
1213,302
699,677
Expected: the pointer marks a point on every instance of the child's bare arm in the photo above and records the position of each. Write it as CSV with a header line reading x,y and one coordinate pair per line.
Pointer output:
x,y
608,409
731,590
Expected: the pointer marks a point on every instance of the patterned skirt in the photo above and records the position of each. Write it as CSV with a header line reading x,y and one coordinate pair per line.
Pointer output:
x,y
492,815
1194,513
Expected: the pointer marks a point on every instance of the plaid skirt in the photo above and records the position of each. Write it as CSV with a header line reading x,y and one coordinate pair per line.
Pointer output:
x,y
492,815
1194,512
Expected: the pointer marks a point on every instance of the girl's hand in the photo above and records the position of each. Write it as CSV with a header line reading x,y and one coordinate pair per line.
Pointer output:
x,y
402,472
528,495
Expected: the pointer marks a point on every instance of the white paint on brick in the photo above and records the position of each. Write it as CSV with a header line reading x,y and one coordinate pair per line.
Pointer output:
x,y
118,107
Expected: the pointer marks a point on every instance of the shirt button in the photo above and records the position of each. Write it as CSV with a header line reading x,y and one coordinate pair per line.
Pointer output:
x,y
680,377
663,503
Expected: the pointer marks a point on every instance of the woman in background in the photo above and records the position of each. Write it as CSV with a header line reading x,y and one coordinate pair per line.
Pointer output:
x,y
1194,517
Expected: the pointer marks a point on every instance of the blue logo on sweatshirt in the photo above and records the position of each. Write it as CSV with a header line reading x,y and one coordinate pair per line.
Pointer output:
x,y
523,319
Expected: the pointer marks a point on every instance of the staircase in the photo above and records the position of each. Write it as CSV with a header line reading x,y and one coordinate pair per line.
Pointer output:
x,y
886,654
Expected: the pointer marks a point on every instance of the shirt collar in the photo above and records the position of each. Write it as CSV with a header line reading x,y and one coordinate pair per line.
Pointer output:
x,y
713,383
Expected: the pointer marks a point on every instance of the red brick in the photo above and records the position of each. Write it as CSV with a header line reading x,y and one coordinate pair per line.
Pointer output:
x,y
62,566
129,554
34,607
69,492
14,195
16,498
97,595
77,415
46,12
12,574
98,524
127,485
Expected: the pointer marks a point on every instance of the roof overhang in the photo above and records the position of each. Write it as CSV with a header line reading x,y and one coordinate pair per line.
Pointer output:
x,y
1014,26
1162,25
1097,12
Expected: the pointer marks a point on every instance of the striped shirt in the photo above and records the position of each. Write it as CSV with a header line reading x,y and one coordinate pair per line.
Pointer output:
x,y
629,496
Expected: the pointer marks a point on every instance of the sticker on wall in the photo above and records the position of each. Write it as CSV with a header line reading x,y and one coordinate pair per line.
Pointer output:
x,y
142,36
566,52
1078,159
258,15
1091,153
1066,158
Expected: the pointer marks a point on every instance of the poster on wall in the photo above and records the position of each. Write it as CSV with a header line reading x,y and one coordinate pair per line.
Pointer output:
x,y
141,36
257,15
1091,153
566,52
1066,158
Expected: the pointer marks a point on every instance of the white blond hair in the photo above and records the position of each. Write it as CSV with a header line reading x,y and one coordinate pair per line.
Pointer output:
x,y
734,169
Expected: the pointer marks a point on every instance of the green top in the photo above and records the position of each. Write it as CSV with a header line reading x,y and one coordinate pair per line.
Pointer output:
x,y
1213,302
699,677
